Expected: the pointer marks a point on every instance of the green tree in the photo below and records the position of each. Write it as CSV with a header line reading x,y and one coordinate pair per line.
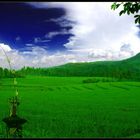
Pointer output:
x,y
6,73
1,73
128,8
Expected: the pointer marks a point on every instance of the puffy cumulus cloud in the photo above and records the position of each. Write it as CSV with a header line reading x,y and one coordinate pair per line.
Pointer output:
x,y
5,47
15,58
96,26
99,27
99,54
98,34
36,56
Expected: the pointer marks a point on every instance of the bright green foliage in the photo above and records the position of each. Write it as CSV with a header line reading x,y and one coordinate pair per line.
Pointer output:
x,y
122,70
6,73
125,69
57,107
128,8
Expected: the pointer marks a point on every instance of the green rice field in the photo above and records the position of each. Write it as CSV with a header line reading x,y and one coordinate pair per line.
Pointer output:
x,y
65,107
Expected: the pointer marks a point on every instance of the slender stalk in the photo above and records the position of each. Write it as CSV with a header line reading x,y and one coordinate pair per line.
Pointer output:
x,y
12,72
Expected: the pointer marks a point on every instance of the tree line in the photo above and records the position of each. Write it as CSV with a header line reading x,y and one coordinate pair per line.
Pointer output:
x,y
119,71
6,73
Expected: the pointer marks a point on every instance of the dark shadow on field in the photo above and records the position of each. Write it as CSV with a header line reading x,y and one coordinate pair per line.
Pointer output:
x,y
76,88
87,88
66,88
101,87
121,87
133,85
50,89
59,88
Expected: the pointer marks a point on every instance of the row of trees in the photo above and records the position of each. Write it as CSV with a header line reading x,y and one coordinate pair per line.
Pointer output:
x,y
87,70
6,73
114,70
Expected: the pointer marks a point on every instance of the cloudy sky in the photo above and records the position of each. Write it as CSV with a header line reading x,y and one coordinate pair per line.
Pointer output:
x,y
44,34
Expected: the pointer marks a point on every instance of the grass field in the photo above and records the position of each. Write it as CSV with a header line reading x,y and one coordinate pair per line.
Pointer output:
x,y
66,107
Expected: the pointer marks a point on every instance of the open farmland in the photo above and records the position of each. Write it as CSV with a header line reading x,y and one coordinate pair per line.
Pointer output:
x,y
66,107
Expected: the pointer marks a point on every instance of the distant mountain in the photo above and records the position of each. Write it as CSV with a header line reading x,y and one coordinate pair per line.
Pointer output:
x,y
135,60
124,69
137,56
128,68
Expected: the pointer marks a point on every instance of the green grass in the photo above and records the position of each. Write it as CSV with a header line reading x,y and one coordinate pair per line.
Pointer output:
x,y
66,107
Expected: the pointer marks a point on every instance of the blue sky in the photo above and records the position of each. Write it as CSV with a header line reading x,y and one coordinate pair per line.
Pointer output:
x,y
43,34
23,24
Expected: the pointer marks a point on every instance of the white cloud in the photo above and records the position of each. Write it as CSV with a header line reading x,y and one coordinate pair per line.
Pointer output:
x,y
50,35
4,47
62,21
99,54
97,26
40,40
29,45
37,56
98,34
